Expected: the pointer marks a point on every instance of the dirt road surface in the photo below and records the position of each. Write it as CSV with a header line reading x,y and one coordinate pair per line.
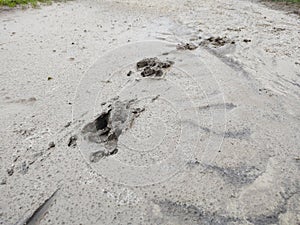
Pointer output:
x,y
150,112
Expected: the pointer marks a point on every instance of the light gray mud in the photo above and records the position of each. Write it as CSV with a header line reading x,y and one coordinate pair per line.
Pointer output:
x,y
235,112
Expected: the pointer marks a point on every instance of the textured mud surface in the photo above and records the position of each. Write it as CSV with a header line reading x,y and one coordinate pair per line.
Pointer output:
x,y
107,128
215,107
153,67
216,41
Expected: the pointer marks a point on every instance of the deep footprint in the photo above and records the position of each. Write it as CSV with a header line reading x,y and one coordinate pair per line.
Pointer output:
x,y
106,128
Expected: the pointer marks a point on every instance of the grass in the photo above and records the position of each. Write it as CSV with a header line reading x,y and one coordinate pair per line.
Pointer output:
x,y
13,3
292,1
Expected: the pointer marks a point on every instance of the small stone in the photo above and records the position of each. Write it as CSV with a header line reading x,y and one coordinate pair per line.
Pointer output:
x,y
129,73
155,98
72,141
68,124
10,171
3,181
115,151
16,158
246,40
51,144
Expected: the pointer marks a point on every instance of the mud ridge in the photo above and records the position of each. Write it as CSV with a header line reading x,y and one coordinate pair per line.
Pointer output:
x,y
239,68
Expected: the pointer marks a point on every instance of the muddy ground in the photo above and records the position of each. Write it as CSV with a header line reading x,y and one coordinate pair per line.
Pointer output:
x,y
150,112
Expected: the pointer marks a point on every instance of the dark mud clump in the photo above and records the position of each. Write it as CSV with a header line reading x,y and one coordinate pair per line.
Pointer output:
x,y
72,141
246,40
10,171
153,67
106,128
187,46
216,41
51,145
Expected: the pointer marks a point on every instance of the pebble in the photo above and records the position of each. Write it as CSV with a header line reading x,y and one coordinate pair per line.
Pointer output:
x,y
10,171
51,144
3,181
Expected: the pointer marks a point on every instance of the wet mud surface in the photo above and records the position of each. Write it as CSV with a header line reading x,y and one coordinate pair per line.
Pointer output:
x,y
106,129
210,120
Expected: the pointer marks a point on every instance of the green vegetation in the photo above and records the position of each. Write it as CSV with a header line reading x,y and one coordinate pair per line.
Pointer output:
x,y
291,1
13,3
